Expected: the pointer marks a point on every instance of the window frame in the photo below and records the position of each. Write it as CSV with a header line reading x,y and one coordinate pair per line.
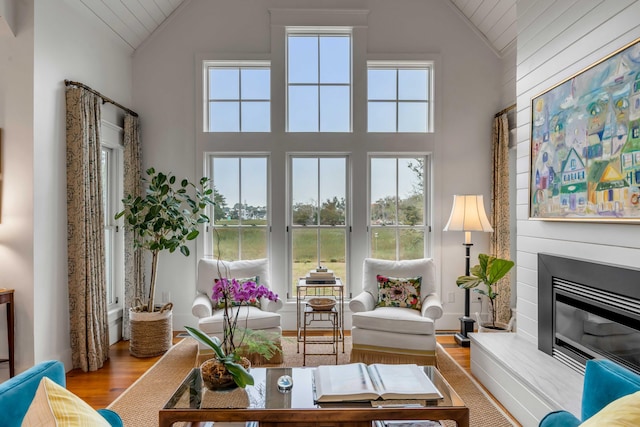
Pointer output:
x,y
239,65
427,198
115,193
358,144
290,226
208,172
404,65
319,32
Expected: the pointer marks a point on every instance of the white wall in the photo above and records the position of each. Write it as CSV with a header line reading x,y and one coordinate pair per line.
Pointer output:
x,y
32,114
557,39
16,217
68,45
468,93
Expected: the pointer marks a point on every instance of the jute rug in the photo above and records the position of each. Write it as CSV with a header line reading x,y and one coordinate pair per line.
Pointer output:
x,y
139,404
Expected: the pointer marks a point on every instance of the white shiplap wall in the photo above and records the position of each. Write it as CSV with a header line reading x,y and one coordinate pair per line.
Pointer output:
x,y
556,39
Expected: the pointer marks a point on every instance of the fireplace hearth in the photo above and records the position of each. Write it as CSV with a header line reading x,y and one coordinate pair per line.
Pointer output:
x,y
588,310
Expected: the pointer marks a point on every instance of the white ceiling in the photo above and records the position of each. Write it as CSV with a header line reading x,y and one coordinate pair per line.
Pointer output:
x,y
132,20
494,21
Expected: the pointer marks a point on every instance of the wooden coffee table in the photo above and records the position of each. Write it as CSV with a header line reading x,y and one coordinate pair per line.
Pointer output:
x,y
269,407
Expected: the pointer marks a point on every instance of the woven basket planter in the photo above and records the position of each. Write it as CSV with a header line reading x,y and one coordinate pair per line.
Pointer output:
x,y
151,333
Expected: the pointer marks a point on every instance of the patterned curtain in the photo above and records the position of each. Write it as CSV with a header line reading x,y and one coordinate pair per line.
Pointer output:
x,y
133,258
500,238
85,232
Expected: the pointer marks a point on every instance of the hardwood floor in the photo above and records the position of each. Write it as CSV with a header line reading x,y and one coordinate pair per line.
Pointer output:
x,y
103,386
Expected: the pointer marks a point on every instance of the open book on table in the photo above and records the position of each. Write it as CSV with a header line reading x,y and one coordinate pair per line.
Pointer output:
x,y
357,382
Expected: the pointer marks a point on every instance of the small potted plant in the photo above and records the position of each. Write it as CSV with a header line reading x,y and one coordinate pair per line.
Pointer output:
x,y
490,270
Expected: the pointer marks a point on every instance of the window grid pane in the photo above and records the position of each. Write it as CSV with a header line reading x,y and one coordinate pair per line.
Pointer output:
x,y
240,214
319,83
318,218
407,89
239,99
107,177
397,199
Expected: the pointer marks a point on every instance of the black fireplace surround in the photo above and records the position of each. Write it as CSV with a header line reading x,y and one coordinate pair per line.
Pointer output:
x,y
588,310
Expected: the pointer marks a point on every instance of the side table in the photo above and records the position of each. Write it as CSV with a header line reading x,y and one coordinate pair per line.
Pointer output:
x,y
6,297
333,318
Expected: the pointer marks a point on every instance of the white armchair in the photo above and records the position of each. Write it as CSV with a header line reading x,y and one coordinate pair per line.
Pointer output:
x,y
210,319
386,334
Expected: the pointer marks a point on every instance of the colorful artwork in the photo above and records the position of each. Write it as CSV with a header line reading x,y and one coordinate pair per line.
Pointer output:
x,y
585,143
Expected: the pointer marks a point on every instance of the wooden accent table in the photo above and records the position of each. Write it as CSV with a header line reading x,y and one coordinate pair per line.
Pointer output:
x,y
270,407
6,297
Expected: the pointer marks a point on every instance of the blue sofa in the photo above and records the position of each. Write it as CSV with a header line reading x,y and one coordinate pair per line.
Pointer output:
x,y
17,393
604,382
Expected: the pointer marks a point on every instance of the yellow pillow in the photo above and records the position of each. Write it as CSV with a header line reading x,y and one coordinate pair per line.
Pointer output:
x,y
623,412
54,405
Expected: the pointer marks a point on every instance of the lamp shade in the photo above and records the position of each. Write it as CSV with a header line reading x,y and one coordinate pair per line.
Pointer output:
x,y
467,214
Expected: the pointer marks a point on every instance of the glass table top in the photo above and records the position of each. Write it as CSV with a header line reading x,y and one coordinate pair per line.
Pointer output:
x,y
264,394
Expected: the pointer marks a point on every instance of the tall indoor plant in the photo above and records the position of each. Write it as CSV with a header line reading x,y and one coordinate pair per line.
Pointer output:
x,y
165,218
490,270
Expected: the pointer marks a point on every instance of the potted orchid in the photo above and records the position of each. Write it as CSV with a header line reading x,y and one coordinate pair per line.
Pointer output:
x,y
229,368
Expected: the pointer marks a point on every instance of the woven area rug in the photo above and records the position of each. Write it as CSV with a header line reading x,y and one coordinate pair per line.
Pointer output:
x,y
139,404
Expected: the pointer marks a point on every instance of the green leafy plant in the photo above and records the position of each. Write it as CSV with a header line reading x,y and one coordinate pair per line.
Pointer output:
x,y
258,342
490,270
166,218
230,361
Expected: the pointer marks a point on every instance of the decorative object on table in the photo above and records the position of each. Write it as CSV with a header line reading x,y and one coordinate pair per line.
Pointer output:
x,y
321,304
378,381
285,383
320,275
488,272
228,362
166,218
467,214
585,142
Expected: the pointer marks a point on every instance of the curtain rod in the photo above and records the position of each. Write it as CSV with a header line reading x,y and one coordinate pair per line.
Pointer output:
x,y
506,110
104,98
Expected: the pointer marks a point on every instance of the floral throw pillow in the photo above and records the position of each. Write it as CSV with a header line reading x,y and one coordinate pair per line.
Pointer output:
x,y
253,302
399,292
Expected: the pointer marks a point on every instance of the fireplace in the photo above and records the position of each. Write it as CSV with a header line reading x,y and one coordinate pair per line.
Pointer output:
x,y
588,310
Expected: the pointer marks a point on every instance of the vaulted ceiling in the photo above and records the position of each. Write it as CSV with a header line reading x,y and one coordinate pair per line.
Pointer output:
x,y
494,21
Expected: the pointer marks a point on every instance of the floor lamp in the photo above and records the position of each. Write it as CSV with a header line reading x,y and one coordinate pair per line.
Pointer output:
x,y
467,214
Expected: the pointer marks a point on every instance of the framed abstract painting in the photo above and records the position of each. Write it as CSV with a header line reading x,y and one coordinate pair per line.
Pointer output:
x,y
585,143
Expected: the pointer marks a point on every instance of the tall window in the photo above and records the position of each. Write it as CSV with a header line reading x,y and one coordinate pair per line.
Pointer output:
x,y
318,215
241,213
319,82
397,224
238,97
399,97
109,204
